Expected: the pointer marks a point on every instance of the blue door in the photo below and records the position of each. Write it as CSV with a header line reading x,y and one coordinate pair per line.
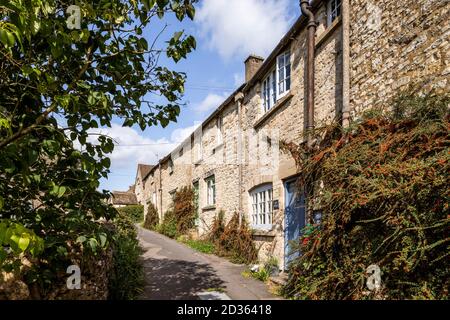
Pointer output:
x,y
294,217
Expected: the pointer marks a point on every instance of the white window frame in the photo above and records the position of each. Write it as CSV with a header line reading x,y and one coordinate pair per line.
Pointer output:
x,y
210,190
277,82
268,91
261,199
284,68
333,10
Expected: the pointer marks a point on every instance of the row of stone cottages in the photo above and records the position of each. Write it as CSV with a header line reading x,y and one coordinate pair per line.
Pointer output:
x,y
338,58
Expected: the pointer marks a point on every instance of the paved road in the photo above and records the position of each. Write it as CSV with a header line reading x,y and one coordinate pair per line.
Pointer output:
x,y
175,271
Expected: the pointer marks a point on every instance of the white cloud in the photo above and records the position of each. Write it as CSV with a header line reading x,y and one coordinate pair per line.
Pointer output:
x,y
242,27
132,147
210,102
181,134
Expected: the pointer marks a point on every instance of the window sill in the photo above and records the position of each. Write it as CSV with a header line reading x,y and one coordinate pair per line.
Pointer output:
x,y
220,145
198,162
328,32
277,106
210,207
260,232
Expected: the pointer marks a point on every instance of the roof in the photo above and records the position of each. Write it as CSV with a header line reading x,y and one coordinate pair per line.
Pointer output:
x,y
123,198
143,170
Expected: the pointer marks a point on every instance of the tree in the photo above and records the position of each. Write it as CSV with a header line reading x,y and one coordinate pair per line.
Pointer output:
x,y
57,83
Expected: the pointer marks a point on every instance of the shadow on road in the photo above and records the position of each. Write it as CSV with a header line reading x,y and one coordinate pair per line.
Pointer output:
x,y
168,279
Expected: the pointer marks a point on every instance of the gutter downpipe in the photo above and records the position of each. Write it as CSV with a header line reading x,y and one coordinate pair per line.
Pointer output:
x,y
345,63
312,26
238,98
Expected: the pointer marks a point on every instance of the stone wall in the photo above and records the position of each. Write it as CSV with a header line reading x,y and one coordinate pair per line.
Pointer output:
x,y
285,122
220,160
394,44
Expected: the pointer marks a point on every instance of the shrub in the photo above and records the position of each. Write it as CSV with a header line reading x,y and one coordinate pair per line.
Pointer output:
x,y
169,225
384,201
151,218
217,228
127,277
134,212
235,242
181,217
184,209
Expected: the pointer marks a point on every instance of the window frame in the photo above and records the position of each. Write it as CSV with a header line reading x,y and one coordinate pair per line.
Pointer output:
x,y
287,62
211,186
270,85
333,14
261,207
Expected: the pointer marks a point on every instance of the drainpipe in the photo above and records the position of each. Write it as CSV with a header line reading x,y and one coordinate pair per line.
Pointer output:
x,y
312,26
345,62
238,98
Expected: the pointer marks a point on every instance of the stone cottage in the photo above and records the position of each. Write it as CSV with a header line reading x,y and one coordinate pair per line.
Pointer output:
x,y
123,198
338,58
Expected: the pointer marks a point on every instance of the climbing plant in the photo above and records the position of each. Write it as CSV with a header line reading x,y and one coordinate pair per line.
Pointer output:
x,y
382,187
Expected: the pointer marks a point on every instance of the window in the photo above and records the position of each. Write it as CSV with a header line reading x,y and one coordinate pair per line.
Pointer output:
x,y
284,73
219,130
210,191
278,82
170,166
269,89
333,10
262,207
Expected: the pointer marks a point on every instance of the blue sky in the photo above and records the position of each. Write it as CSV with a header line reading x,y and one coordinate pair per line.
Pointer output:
x,y
227,31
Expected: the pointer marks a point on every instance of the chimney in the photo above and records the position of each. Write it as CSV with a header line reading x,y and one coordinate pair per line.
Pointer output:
x,y
252,64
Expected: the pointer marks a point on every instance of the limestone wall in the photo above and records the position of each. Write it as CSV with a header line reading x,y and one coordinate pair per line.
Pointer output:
x,y
394,44
285,122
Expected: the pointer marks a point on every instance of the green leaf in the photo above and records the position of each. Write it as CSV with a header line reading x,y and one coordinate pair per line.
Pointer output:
x,y
190,10
2,202
61,191
81,239
23,243
103,239
177,35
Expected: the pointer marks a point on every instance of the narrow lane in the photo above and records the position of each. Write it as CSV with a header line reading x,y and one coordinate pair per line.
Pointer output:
x,y
175,271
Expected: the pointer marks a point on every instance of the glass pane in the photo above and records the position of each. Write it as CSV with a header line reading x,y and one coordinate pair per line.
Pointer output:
x,y
274,88
281,87
281,61
281,74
